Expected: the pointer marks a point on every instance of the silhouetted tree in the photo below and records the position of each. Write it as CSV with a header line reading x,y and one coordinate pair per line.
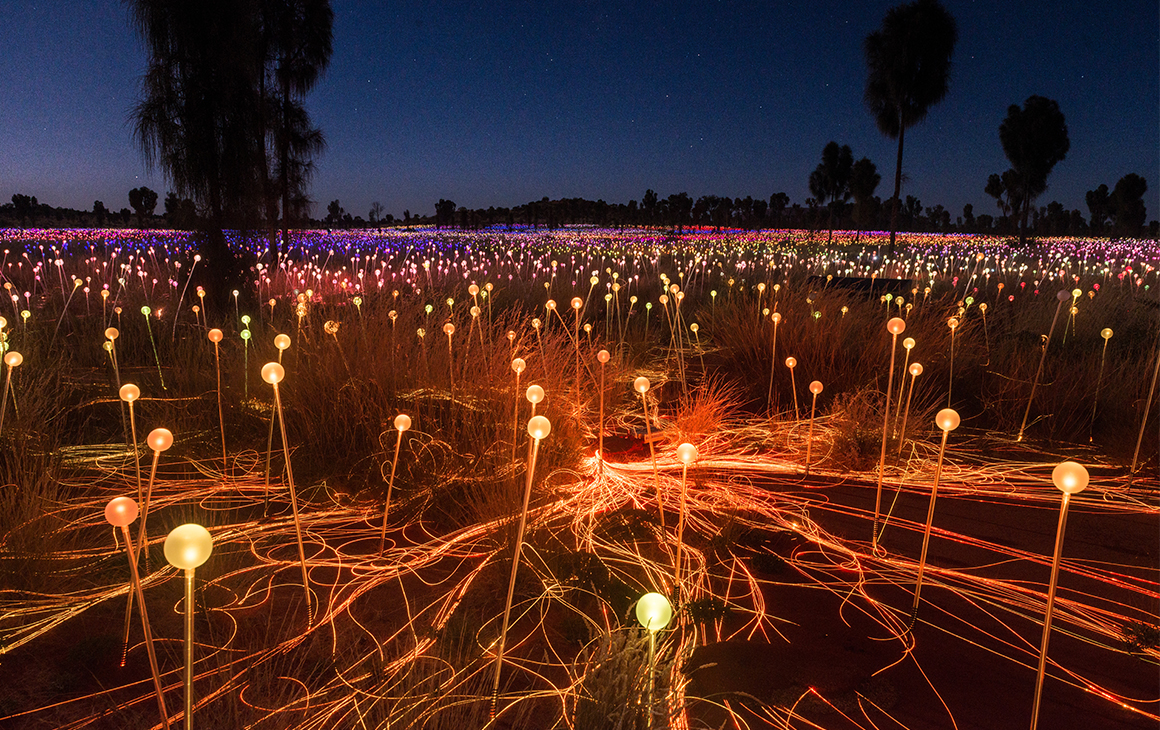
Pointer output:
x,y
1034,138
100,213
830,180
144,201
777,206
1099,207
909,62
864,179
334,212
1126,204
24,205
376,213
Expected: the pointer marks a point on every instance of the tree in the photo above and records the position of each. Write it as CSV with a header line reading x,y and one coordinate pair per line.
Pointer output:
x,y
830,180
1099,206
334,212
24,205
1126,204
445,213
376,213
864,179
100,213
297,41
1034,139
144,201
909,63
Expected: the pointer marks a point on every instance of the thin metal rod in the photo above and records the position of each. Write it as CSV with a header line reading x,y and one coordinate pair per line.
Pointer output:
x,y
926,532
652,650
145,509
294,505
810,437
189,648
221,417
1050,609
390,486
882,456
681,524
4,402
652,453
600,423
906,413
136,455
1144,418
512,580
153,668
1039,370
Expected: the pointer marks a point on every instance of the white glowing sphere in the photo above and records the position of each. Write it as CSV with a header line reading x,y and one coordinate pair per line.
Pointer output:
x,y
402,422
112,333
129,392
551,304
273,373
121,511
534,394
215,335
603,356
776,317
916,369
188,546
539,427
577,302
947,419
518,365
1070,477
687,453
160,439
896,325
282,342
641,384
13,359
791,362
909,343
816,387
654,611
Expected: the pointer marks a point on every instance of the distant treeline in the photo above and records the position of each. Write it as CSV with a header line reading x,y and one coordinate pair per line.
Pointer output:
x,y
1116,212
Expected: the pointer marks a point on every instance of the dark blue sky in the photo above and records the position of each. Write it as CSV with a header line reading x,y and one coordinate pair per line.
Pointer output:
x,y
499,103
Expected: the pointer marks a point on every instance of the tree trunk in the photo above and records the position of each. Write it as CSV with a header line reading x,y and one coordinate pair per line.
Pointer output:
x,y
897,183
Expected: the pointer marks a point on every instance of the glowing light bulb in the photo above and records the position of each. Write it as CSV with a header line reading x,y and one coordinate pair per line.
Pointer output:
x,y
518,365
539,427
947,419
273,373
791,362
129,392
449,329
112,333
653,611
13,359
896,325
282,342
534,394
160,439
120,511
641,384
1106,333
603,356
687,453
909,343
215,335
816,387
916,369
402,422
188,546
577,302
1070,477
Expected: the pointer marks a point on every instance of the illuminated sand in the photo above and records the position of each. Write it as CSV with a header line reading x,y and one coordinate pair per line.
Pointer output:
x,y
406,638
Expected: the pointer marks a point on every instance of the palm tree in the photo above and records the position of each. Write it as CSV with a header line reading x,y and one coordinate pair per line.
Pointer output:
x,y
1034,139
831,179
864,179
909,63
298,38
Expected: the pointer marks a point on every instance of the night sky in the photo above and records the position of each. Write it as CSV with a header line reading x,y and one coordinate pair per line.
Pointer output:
x,y
504,102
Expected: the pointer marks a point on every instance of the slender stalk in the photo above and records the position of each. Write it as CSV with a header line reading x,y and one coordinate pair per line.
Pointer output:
x,y
885,425
153,667
189,648
926,531
512,580
390,486
294,505
1050,609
